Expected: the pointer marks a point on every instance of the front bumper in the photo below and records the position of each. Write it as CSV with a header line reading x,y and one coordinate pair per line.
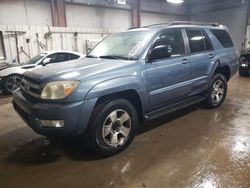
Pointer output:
x,y
245,70
76,115
1,82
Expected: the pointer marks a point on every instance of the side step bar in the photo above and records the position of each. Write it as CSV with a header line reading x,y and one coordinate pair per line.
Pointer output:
x,y
174,107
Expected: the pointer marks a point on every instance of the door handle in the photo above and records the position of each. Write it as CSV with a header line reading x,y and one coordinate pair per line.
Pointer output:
x,y
185,61
211,55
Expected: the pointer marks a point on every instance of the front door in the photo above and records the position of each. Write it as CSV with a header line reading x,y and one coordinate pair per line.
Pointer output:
x,y
168,79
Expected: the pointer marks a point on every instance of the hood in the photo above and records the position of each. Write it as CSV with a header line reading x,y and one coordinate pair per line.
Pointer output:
x,y
7,69
7,65
77,69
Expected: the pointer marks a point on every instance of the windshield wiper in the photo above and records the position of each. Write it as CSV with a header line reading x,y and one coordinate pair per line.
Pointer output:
x,y
108,57
112,57
91,56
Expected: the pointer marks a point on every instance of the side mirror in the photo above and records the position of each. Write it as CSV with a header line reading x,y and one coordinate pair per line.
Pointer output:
x,y
46,61
160,52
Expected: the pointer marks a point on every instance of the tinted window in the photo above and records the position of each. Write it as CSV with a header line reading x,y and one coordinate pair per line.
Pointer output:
x,y
223,37
196,40
59,57
74,56
174,39
208,43
36,58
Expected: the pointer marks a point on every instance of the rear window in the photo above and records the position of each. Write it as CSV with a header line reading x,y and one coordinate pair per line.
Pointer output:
x,y
223,37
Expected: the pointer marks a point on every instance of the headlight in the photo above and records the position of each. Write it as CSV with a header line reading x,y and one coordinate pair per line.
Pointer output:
x,y
58,89
244,65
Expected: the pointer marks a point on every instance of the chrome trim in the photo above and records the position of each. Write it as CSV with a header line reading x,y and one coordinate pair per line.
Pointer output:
x,y
27,87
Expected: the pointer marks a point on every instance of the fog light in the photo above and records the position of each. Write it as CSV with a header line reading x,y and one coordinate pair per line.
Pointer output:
x,y
52,123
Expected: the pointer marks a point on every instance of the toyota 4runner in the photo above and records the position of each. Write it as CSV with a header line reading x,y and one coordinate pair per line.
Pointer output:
x,y
139,74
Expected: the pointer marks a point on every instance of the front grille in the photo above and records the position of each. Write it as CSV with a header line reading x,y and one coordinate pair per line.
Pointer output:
x,y
30,87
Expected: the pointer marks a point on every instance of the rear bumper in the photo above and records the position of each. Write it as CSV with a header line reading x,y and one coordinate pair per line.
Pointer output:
x,y
76,115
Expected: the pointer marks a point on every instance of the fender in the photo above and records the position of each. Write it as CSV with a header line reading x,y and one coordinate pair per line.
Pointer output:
x,y
218,61
212,69
116,85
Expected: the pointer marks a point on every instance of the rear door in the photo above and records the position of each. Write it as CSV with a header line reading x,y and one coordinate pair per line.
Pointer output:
x,y
168,79
201,53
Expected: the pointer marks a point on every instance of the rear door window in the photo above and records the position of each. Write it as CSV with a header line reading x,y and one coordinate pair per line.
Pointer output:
x,y
223,37
208,43
196,40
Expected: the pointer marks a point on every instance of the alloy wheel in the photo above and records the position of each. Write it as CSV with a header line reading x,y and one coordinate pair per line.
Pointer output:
x,y
13,83
217,91
116,128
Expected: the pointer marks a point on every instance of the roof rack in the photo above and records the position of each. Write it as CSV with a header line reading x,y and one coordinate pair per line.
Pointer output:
x,y
179,23
193,23
159,24
133,28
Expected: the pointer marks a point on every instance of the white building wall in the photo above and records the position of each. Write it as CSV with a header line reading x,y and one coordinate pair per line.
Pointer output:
x,y
92,23
25,12
234,18
60,39
148,18
97,17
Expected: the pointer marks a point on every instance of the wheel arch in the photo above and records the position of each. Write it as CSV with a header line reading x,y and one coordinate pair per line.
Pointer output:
x,y
12,74
131,95
223,69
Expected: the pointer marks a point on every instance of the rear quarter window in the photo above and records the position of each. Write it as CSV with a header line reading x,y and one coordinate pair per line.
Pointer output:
x,y
74,56
223,37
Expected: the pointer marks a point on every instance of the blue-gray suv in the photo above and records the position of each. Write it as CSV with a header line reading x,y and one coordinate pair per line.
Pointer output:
x,y
128,77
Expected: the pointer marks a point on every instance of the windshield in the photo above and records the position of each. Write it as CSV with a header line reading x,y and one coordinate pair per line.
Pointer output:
x,y
36,58
126,45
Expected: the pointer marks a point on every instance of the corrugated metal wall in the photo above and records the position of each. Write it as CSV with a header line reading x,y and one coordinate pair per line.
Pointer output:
x,y
97,17
33,17
25,12
231,13
148,18
33,40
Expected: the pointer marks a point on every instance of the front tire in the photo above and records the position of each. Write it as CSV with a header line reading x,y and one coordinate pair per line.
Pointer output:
x,y
11,83
112,127
217,91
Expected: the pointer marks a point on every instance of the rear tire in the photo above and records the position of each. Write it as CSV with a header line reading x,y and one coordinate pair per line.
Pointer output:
x,y
11,83
217,91
112,127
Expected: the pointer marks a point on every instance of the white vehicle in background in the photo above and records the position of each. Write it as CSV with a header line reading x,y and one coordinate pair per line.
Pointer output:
x,y
11,74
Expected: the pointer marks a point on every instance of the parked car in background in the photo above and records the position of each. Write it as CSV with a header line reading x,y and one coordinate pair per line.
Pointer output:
x,y
11,74
244,69
139,74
